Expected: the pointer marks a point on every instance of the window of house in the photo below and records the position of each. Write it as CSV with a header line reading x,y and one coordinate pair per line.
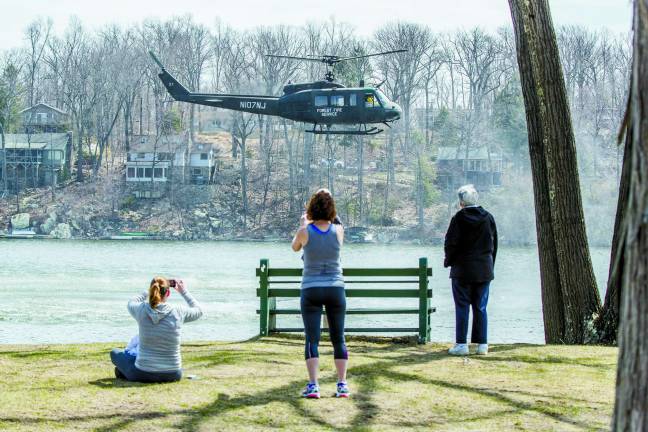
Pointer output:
x,y
321,101
140,172
353,100
337,100
197,171
203,156
131,172
141,155
148,172
157,172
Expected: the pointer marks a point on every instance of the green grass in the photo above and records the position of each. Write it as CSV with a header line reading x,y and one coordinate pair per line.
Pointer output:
x,y
254,385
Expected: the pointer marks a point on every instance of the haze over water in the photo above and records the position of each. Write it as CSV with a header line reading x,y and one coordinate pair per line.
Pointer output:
x,y
76,291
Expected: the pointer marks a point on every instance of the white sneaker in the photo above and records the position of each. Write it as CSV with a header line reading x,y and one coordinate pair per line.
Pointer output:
x,y
459,350
482,349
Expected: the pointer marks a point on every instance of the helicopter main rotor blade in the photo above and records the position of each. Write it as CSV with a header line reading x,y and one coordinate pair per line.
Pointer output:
x,y
371,55
294,57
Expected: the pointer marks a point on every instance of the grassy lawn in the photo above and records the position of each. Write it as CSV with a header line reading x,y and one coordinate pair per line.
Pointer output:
x,y
254,385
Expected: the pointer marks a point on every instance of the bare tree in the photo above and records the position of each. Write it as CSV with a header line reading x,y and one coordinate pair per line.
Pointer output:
x,y
274,73
195,51
10,93
37,34
237,60
403,74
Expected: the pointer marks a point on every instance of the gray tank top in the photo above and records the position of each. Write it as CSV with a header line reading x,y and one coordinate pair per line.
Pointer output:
x,y
322,259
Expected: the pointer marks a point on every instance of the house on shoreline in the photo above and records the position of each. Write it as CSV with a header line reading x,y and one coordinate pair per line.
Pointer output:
x,y
44,118
154,163
34,160
478,166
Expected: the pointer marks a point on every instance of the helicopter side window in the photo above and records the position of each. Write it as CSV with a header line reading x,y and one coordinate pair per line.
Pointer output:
x,y
353,99
371,101
321,101
337,100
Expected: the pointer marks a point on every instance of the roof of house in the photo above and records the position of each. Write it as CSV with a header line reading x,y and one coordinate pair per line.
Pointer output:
x,y
161,143
47,141
221,142
451,153
44,105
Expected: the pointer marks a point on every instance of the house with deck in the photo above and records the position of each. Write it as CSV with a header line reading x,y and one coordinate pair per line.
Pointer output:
x,y
154,162
44,118
34,160
479,166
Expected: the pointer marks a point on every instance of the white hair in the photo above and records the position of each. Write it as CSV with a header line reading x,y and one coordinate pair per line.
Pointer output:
x,y
468,195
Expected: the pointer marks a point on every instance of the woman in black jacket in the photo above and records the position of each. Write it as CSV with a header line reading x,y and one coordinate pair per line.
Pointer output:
x,y
470,251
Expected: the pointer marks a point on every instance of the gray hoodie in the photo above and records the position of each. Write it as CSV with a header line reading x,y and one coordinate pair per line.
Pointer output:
x,y
159,332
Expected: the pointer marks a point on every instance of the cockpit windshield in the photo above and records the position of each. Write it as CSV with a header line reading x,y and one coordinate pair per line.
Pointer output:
x,y
384,101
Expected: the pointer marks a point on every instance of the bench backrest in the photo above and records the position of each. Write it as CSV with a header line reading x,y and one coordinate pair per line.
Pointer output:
x,y
280,282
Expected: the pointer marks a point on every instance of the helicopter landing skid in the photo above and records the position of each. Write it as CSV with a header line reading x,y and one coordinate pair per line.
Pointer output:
x,y
370,131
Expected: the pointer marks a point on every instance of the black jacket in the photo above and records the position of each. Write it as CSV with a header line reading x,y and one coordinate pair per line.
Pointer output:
x,y
471,245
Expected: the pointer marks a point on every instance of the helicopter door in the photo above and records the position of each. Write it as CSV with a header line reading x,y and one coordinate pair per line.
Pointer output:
x,y
370,107
355,109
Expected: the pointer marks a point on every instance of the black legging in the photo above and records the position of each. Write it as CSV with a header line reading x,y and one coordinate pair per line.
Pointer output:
x,y
312,300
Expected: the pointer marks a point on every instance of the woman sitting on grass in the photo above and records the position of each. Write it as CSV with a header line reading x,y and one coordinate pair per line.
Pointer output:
x,y
322,285
158,359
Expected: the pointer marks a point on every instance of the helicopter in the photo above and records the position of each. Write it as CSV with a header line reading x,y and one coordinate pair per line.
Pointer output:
x,y
322,103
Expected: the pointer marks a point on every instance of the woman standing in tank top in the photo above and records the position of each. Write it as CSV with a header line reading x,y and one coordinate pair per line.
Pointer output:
x,y
322,285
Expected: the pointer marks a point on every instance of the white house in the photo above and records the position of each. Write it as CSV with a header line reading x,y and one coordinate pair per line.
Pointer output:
x,y
152,158
201,163
160,159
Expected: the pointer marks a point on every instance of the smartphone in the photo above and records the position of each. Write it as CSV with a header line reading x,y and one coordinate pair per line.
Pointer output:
x,y
172,283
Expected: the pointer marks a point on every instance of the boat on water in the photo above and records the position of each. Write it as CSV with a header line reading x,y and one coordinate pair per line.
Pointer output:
x,y
358,234
133,235
21,234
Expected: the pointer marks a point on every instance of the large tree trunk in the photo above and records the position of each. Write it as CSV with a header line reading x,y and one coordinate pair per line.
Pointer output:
x,y
630,410
569,293
607,322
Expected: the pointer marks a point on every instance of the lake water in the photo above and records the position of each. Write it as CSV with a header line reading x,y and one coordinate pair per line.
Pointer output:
x,y
76,291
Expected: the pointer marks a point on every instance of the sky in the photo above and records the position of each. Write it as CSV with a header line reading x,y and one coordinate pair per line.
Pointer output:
x,y
365,16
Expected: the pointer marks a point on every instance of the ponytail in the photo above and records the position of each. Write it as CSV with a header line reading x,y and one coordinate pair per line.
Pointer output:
x,y
157,291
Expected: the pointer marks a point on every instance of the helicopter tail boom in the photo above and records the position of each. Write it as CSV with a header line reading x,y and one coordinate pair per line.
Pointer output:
x,y
255,104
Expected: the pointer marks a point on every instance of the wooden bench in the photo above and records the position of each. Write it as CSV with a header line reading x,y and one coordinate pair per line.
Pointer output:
x,y
284,282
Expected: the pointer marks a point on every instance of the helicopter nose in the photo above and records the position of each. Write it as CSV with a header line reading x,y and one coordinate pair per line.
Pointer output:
x,y
394,113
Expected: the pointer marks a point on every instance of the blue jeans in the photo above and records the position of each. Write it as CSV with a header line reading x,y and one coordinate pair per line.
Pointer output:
x,y
125,363
467,295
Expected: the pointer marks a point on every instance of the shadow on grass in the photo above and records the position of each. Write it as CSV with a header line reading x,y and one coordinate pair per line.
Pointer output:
x,y
32,354
109,383
368,378
231,357
550,360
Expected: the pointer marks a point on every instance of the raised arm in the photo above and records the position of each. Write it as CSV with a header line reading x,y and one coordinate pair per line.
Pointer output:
x,y
301,236
135,302
193,311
